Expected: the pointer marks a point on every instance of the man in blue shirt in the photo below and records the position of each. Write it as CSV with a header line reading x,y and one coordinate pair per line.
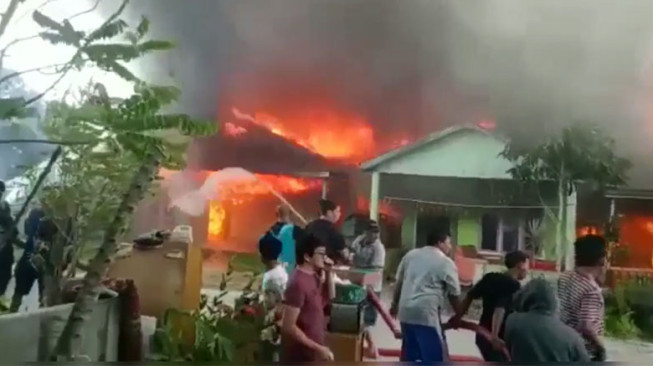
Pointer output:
x,y
288,233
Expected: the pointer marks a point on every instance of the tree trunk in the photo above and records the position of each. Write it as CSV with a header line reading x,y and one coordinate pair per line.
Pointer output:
x,y
560,227
563,226
69,344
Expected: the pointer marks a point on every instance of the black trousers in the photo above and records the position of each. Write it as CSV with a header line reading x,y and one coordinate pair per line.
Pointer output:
x,y
26,275
6,262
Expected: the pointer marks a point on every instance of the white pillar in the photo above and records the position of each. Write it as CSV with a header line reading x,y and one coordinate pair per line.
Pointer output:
x,y
570,228
325,188
374,196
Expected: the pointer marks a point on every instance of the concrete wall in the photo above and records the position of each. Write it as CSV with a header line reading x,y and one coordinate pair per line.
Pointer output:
x,y
29,337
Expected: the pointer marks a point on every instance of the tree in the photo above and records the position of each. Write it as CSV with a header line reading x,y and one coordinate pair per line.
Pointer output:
x,y
581,153
108,48
104,141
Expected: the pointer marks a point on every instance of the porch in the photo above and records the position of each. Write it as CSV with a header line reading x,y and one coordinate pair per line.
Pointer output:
x,y
456,178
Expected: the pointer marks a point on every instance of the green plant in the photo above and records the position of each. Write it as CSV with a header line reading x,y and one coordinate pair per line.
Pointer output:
x,y
619,316
216,333
581,153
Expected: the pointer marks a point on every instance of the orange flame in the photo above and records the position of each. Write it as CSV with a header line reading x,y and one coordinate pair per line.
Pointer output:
x,y
324,132
241,191
588,230
217,215
363,205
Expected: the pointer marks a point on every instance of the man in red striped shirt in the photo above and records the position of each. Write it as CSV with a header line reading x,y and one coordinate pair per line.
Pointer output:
x,y
580,294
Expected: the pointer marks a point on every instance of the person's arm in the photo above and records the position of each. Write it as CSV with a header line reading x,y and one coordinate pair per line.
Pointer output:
x,y
452,287
329,283
476,292
590,314
497,321
396,296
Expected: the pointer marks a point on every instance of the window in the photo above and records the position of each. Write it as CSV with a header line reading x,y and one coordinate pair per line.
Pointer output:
x,y
501,234
489,237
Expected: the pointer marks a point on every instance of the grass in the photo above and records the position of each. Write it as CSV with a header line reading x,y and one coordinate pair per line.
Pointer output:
x,y
246,262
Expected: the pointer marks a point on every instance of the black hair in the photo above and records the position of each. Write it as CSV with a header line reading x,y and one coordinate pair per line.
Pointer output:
x,y
2,186
437,236
269,247
306,246
326,206
590,250
514,258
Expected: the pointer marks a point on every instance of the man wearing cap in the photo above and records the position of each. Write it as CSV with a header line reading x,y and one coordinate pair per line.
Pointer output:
x,y
369,253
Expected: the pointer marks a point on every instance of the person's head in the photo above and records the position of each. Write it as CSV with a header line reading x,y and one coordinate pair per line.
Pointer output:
x,y
517,263
269,247
283,214
310,252
441,239
372,231
536,296
591,253
329,210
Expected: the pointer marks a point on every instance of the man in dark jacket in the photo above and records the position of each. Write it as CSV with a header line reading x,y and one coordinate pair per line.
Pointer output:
x,y
324,228
6,247
534,333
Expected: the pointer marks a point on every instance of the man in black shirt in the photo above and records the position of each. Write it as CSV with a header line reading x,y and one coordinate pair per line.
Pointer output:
x,y
325,229
496,290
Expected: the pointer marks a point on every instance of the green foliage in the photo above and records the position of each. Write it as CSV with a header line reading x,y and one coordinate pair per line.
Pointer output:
x,y
102,47
216,333
580,153
92,176
619,322
108,47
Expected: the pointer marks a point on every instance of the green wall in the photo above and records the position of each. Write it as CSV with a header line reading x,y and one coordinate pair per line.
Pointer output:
x,y
469,231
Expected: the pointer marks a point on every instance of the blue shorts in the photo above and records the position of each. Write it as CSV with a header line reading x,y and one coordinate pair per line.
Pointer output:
x,y
421,343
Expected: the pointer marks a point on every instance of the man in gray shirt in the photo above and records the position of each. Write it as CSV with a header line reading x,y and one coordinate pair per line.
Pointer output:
x,y
425,277
369,253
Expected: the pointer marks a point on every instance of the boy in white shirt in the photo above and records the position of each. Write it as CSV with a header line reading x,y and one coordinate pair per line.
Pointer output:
x,y
275,277
273,285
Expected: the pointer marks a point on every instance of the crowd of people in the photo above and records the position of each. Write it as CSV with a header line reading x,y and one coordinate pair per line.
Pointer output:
x,y
530,323
533,323
298,282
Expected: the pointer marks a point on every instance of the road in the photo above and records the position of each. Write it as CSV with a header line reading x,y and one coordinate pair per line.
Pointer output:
x,y
462,342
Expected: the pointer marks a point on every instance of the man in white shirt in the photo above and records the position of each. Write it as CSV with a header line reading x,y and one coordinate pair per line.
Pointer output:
x,y
425,277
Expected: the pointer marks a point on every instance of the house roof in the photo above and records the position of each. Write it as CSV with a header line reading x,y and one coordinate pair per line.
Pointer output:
x,y
629,193
428,140
262,152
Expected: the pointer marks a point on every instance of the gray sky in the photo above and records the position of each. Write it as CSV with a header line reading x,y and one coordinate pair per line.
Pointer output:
x,y
416,66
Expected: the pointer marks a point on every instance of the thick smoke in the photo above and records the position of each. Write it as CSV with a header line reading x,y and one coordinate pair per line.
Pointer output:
x,y
416,66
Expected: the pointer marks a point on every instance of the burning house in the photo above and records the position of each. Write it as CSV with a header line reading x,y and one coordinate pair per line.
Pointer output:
x,y
256,163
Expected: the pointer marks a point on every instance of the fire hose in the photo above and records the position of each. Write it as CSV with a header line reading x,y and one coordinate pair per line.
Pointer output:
x,y
463,324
